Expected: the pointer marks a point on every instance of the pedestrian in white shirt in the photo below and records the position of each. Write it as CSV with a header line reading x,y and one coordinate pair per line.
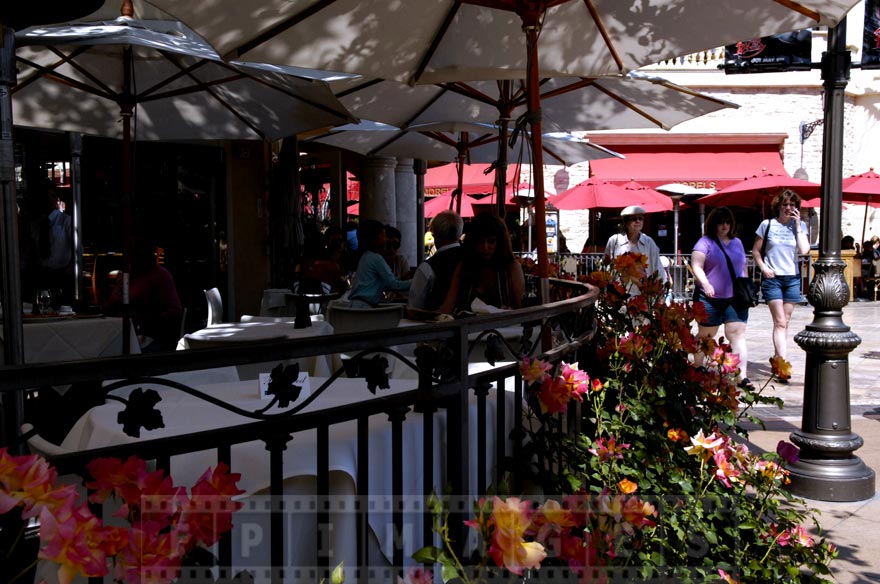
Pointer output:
x,y
633,240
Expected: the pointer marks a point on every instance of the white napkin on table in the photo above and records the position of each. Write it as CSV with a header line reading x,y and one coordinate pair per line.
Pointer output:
x,y
480,307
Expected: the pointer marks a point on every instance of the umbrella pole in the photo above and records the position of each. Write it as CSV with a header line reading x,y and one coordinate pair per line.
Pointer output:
x,y
675,208
10,289
126,109
501,169
460,190
501,165
865,221
530,27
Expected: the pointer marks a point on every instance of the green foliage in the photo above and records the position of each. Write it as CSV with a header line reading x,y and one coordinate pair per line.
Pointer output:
x,y
666,438
726,507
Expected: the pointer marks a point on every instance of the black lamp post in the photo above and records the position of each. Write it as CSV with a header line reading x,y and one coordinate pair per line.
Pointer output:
x,y
828,470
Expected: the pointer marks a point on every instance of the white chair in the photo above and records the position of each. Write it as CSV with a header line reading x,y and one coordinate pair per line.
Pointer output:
x,y
345,319
215,306
277,302
39,445
182,323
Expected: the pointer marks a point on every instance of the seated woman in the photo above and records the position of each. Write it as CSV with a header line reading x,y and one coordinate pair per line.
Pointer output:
x,y
153,301
320,270
373,277
488,270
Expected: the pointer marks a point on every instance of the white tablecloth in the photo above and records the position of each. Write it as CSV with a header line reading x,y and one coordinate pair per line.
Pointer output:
x,y
72,339
257,328
184,414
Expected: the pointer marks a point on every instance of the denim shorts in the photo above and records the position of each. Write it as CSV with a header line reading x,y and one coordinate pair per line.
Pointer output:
x,y
785,288
721,310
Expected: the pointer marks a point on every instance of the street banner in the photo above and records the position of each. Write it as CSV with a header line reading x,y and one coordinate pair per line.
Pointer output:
x,y
789,51
871,36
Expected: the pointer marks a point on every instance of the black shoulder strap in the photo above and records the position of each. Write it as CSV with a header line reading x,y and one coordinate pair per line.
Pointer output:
x,y
727,257
764,242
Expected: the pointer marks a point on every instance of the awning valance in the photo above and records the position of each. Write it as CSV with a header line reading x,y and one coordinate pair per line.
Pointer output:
x,y
701,166
441,179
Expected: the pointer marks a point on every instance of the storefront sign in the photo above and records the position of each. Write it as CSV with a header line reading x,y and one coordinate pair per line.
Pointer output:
x,y
698,184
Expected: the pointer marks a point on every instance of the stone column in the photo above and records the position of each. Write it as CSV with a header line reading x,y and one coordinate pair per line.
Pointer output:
x,y
407,203
420,167
377,198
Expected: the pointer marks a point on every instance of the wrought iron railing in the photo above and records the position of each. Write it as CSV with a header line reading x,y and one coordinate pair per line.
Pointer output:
x,y
443,394
577,266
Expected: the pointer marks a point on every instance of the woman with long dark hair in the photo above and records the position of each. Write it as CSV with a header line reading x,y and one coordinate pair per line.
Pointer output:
x,y
488,270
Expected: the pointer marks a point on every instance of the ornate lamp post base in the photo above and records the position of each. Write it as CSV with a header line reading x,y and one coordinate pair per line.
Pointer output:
x,y
846,479
828,470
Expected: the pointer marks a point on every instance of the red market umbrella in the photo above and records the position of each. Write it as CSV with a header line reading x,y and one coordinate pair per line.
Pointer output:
x,y
596,194
757,190
599,194
444,202
864,188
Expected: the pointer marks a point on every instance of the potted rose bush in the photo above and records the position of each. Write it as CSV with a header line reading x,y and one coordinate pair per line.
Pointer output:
x,y
659,483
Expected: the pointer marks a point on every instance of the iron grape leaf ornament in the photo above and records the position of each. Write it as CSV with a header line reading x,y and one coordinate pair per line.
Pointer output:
x,y
494,349
140,412
282,384
375,371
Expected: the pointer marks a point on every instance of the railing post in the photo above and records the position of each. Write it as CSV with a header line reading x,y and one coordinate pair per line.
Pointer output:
x,y
276,445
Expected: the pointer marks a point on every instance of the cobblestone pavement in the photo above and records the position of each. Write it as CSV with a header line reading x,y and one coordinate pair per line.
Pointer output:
x,y
853,527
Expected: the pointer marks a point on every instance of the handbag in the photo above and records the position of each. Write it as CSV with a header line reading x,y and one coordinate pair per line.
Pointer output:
x,y
745,292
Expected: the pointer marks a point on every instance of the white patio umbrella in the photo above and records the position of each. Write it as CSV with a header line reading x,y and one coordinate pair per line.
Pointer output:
x,y
462,142
568,104
462,40
177,83
450,141
163,81
455,40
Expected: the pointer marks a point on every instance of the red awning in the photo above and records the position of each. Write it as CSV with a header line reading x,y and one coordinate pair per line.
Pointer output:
x,y
441,179
701,166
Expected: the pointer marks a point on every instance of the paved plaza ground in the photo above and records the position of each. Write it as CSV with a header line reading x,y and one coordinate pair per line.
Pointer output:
x,y
853,527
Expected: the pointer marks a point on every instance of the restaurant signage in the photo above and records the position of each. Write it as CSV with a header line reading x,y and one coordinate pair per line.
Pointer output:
x,y
782,52
871,36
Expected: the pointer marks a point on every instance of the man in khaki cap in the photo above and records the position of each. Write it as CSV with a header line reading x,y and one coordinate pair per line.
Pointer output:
x,y
632,239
